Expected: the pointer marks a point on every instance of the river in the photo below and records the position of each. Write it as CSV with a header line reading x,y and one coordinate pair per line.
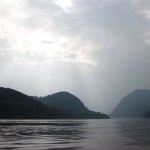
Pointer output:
x,y
105,134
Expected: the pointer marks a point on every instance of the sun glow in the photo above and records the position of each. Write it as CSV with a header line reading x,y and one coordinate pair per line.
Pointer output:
x,y
43,41
37,41
45,46
64,4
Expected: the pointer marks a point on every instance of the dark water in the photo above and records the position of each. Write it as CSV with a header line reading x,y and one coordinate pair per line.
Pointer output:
x,y
111,134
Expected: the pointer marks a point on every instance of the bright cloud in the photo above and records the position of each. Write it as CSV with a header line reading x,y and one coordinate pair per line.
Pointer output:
x,y
28,41
65,4
88,47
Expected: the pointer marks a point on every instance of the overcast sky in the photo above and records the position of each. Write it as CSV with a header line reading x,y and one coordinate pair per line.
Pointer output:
x,y
99,50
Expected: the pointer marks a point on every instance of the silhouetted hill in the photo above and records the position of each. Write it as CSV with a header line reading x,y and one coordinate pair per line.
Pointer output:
x,y
136,104
15,105
70,104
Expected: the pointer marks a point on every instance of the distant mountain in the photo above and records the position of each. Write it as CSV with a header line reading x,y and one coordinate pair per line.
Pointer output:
x,y
70,104
136,104
15,105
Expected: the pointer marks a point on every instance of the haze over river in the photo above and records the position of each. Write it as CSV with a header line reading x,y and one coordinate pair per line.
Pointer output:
x,y
107,134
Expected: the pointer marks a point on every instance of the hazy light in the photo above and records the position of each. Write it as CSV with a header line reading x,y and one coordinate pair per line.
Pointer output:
x,y
51,42
64,4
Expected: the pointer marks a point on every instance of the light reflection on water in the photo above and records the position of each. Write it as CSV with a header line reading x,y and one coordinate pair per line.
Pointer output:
x,y
109,134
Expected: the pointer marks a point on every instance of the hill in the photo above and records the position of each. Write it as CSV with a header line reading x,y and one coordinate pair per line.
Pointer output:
x,y
72,105
136,104
15,105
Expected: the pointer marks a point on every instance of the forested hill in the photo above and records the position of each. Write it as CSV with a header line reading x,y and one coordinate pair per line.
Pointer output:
x,y
16,105
72,105
135,104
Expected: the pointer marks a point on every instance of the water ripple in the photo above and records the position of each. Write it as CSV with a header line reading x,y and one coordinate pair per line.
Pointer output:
x,y
111,134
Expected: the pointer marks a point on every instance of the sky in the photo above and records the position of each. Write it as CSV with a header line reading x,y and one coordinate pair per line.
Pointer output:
x,y
98,50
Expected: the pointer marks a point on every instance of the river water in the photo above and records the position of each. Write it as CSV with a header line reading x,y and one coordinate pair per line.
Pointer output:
x,y
109,134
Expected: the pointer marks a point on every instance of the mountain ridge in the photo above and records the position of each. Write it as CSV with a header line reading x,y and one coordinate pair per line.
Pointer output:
x,y
16,105
69,103
135,104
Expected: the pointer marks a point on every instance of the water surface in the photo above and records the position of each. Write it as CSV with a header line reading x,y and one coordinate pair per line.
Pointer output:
x,y
109,134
